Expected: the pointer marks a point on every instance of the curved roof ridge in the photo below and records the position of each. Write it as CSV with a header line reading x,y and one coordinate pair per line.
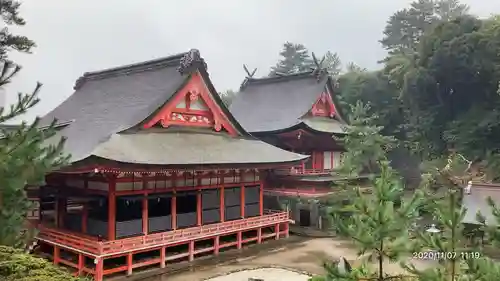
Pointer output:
x,y
182,61
277,79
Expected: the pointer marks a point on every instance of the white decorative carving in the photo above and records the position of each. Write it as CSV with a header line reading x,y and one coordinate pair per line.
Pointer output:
x,y
189,118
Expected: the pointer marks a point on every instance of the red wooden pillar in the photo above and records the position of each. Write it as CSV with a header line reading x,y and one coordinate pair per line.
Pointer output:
x,y
277,231
173,210
242,200
198,208
191,250
57,255
163,256
81,264
259,235
239,238
99,269
216,245
221,194
111,208
261,199
145,215
129,263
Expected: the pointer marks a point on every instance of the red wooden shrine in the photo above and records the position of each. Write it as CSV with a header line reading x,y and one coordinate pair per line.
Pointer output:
x,y
305,119
96,255
124,203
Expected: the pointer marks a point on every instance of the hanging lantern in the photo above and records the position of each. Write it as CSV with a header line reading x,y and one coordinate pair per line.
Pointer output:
x,y
433,229
467,189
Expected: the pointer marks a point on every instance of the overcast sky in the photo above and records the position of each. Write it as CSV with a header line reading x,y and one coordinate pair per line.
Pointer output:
x,y
75,36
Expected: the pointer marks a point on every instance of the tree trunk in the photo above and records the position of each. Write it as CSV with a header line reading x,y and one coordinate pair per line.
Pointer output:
x,y
381,262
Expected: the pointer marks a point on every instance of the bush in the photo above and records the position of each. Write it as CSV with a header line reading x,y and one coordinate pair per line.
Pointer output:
x,y
15,265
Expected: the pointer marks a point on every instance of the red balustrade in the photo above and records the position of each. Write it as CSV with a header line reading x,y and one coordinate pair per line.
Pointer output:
x,y
74,241
85,245
298,170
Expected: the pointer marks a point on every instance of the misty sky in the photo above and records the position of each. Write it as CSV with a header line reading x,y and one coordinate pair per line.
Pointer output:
x,y
75,36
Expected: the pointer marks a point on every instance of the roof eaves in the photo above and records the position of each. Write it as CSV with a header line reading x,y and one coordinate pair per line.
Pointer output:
x,y
331,89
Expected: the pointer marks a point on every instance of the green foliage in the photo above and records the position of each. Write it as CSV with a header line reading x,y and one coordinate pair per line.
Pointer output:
x,y
23,160
378,227
333,273
332,63
372,88
405,27
24,156
227,97
448,214
294,58
9,12
352,67
18,266
435,73
364,143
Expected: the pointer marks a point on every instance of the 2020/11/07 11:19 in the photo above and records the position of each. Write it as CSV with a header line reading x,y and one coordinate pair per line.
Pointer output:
x,y
434,255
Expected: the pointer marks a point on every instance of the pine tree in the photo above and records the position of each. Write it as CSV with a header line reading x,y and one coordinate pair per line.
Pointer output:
x,y
447,245
456,260
9,11
24,156
379,227
364,142
227,96
332,63
379,221
295,58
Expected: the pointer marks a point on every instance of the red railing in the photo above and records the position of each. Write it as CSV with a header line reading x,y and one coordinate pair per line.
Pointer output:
x,y
107,248
79,243
298,170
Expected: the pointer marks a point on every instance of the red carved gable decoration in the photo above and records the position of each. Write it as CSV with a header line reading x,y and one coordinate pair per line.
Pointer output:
x,y
193,106
324,106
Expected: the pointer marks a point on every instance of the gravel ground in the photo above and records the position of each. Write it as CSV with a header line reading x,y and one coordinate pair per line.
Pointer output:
x,y
304,255
267,274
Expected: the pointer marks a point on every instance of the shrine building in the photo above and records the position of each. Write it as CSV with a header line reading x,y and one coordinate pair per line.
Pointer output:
x,y
298,113
162,172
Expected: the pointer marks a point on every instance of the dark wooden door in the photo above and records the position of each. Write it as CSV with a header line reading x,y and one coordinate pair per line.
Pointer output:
x,y
305,217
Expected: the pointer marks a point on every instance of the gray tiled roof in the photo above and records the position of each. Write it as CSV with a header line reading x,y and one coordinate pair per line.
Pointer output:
x,y
476,202
107,102
110,101
323,124
181,148
277,103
